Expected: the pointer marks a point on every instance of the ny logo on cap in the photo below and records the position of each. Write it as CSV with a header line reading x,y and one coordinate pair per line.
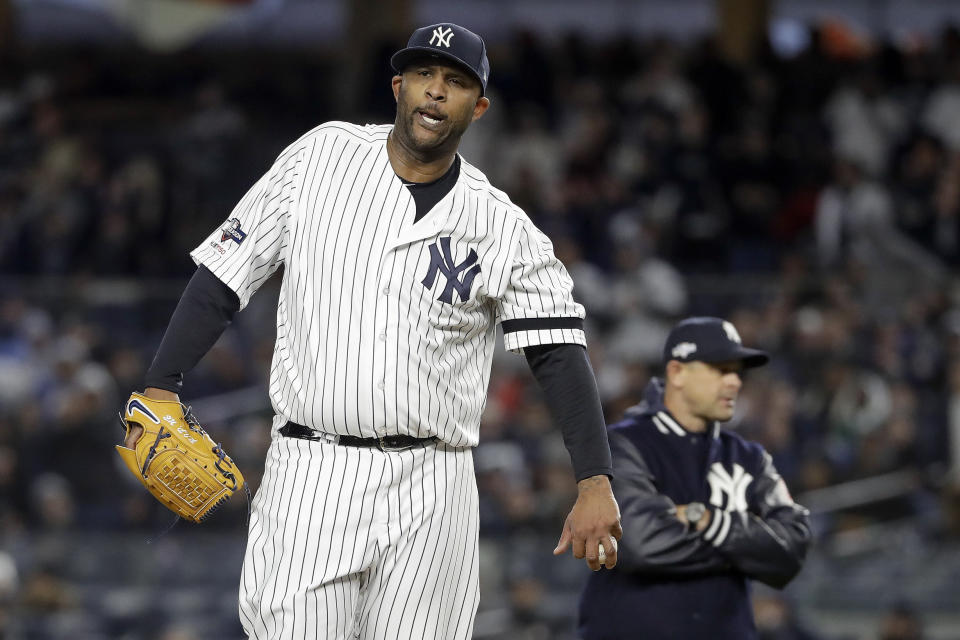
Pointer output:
x,y
441,36
732,332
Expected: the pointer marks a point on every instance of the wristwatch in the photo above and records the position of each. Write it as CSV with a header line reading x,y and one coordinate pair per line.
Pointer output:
x,y
695,511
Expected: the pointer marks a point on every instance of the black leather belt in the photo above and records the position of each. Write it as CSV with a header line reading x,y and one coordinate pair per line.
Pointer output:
x,y
386,443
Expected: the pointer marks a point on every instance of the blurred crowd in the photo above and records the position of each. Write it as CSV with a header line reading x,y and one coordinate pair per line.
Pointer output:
x,y
813,200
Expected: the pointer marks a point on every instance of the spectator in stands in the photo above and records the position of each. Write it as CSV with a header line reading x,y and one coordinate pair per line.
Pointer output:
x,y
854,222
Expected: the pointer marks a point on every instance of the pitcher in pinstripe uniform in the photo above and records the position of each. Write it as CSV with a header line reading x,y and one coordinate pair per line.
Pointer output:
x,y
400,259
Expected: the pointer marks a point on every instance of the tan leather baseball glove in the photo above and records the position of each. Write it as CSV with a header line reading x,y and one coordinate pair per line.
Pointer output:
x,y
176,460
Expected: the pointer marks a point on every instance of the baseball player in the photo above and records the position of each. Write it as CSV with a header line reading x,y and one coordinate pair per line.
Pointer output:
x,y
400,259
704,511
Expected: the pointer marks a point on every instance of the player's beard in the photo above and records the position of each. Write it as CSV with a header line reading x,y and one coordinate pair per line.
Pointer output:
x,y
428,147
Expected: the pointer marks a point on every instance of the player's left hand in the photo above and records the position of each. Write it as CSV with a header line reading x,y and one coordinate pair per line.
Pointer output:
x,y
168,451
593,521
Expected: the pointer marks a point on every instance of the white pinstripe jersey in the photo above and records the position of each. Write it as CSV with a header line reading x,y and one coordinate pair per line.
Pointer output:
x,y
386,326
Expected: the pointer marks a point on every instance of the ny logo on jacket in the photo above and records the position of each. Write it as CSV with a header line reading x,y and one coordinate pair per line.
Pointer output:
x,y
732,485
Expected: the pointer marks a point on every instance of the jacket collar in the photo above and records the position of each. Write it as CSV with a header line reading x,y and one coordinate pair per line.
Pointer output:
x,y
651,406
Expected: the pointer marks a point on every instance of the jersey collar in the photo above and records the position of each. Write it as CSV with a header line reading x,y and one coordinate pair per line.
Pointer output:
x,y
433,222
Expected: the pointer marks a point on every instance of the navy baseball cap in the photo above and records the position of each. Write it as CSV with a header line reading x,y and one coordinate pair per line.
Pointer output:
x,y
709,340
451,42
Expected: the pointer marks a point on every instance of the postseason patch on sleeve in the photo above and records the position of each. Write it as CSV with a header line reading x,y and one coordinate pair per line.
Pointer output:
x,y
232,231
229,231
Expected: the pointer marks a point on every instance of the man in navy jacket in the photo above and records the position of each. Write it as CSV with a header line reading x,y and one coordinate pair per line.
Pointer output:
x,y
703,510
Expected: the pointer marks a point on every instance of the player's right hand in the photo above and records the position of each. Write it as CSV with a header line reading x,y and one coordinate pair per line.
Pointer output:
x,y
593,521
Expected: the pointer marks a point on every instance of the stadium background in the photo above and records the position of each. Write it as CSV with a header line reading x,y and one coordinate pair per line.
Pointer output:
x,y
791,165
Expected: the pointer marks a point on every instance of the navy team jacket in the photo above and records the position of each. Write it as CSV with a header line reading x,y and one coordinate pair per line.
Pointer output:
x,y
673,583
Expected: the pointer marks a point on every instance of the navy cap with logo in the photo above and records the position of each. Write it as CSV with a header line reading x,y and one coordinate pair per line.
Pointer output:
x,y
709,340
451,42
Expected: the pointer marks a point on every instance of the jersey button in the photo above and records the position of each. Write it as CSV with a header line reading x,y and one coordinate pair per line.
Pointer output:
x,y
380,385
386,291
383,336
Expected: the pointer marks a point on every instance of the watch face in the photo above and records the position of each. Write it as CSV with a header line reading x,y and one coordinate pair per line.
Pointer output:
x,y
695,512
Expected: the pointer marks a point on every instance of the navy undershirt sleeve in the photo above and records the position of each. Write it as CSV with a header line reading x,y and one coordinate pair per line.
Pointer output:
x,y
570,391
205,310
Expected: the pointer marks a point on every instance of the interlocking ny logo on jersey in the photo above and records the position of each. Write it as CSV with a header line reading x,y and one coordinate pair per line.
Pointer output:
x,y
441,37
443,263
734,486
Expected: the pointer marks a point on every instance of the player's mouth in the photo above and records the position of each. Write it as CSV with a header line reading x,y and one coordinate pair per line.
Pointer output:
x,y
430,119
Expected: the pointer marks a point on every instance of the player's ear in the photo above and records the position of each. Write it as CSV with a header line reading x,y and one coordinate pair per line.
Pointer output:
x,y
395,84
483,103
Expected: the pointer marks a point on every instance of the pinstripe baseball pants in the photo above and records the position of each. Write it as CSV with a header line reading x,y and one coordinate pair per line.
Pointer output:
x,y
349,542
